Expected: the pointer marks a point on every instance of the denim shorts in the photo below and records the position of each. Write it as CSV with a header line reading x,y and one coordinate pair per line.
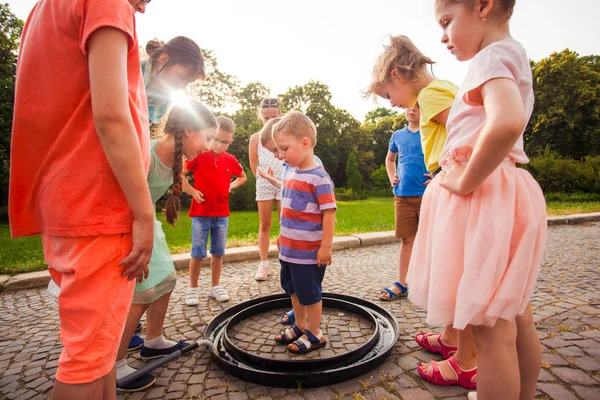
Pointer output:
x,y
304,280
201,226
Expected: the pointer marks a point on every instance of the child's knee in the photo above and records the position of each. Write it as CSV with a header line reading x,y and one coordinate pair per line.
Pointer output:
x,y
500,337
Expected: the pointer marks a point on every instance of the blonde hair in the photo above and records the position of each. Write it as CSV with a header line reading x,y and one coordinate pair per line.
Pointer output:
x,y
266,133
505,7
226,124
402,56
298,125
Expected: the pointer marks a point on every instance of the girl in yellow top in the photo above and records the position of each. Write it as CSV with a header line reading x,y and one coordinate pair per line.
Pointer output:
x,y
401,76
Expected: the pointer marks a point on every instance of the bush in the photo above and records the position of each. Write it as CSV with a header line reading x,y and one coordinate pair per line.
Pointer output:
x,y
563,174
380,179
244,197
347,194
354,178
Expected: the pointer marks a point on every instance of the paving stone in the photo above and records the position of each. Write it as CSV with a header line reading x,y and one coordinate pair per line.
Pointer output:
x,y
587,393
553,359
591,334
556,392
318,393
572,375
586,363
378,393
570,351
417,394
545,376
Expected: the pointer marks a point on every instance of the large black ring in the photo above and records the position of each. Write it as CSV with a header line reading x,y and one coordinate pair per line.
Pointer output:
x,y
305,373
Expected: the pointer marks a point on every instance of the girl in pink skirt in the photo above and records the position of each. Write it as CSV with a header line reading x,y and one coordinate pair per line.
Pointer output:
x,y
482,230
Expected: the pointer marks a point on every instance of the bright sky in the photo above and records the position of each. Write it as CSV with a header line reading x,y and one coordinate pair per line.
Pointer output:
x,y
287,43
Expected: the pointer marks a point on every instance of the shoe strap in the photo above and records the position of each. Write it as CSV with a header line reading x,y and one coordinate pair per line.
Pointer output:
x,y
313,338
220,290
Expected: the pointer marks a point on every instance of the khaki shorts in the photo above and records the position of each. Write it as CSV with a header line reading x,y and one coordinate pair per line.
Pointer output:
x,y
406,210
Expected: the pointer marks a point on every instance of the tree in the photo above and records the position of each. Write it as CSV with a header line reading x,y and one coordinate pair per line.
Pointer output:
x,y
354,179
250,96
219,90
11,29
566,115
381,132
338,133
378,113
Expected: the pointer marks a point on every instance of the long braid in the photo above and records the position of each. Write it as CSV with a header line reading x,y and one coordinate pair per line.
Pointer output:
x,y
173,202
193,117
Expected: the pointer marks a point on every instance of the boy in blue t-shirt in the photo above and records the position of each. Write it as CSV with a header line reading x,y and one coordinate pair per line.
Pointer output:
x,y
408,180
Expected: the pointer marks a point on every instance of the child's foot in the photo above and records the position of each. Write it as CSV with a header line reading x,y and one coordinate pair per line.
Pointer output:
x,y
288,318
307,343
394,292
472,396
219,293
289,335
191,296
160,347
135,343
448,372
141,383
433,342
262,273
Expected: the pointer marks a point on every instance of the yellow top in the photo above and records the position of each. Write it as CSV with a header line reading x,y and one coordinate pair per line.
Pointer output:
x,y
433,99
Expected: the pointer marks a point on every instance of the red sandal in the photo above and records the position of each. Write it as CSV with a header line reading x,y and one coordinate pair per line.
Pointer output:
x,y
465,378
445,350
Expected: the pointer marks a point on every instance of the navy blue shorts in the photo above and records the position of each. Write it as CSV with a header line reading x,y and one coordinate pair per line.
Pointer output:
x,y
304,280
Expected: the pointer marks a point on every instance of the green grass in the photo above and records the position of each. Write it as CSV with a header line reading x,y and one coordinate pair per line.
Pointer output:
x,y
374,214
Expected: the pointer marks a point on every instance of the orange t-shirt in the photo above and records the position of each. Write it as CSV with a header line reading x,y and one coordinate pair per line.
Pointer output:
x,y
60,181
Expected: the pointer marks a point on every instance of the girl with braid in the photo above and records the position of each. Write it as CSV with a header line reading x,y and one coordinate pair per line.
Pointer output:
x,y
188,131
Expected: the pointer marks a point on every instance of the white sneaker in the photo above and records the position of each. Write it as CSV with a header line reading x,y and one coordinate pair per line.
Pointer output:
x,y
53,288
191,296
263,271
219,293
472,396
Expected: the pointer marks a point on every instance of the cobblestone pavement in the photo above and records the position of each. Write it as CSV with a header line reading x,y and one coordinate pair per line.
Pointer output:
x,y
566,302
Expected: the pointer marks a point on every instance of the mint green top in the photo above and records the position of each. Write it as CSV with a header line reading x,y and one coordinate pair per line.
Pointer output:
x,y
160,178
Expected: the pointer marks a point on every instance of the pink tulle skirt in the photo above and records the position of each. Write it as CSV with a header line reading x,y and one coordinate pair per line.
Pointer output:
x,y
476,258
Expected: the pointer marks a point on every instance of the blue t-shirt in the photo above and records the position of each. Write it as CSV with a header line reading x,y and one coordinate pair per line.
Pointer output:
x,y
411,163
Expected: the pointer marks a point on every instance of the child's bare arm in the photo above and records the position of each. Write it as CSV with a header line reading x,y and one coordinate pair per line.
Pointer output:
x,y
253,152
107,60
442,117
505,122
324,255
238,182
269,177
197,195
390,166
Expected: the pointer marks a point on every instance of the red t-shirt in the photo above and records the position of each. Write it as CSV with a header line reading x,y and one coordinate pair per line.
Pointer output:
x,y
60,181
212,176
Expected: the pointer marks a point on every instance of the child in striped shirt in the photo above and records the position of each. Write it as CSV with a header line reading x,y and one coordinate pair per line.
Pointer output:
x,y
306,234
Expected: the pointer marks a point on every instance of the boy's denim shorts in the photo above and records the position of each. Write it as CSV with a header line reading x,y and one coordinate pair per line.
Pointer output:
x,y
201,226
304,280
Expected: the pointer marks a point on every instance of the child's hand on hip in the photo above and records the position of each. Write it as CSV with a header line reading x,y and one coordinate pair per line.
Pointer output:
x,y
430,176
324,256
395,181
451,178
136,263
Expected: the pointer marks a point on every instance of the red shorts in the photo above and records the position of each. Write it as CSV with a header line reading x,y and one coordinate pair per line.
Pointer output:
x,y
93,303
